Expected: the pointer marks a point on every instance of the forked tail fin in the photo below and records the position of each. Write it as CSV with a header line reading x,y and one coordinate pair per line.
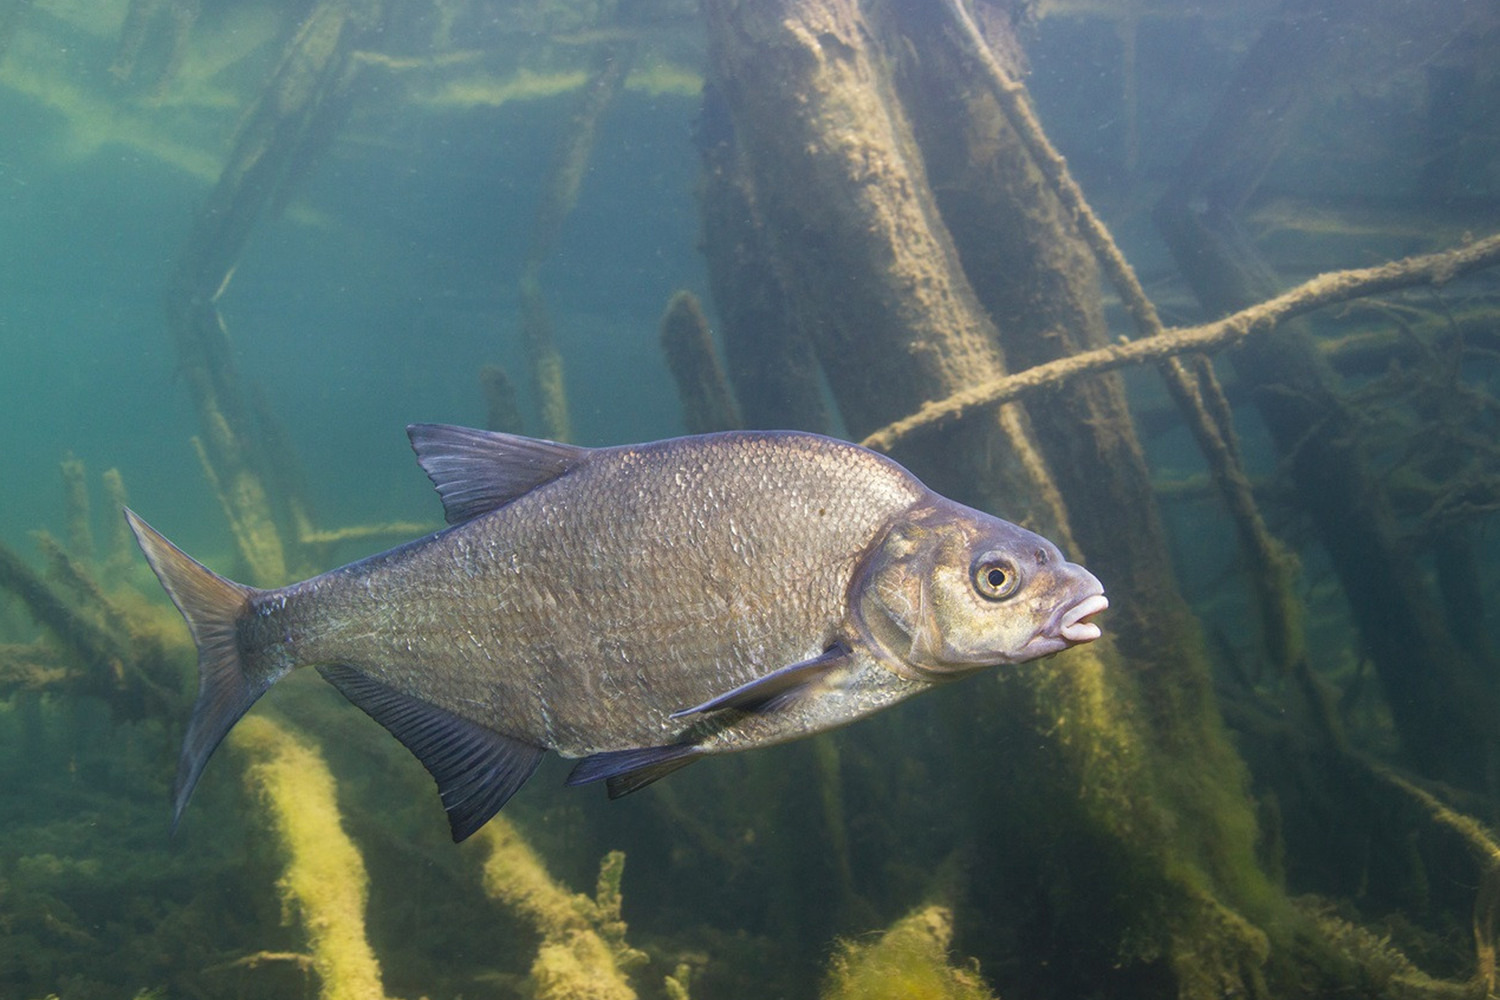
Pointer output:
x,y
212,607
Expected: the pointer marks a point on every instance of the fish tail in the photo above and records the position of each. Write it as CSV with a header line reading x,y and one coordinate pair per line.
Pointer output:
x,y
212,607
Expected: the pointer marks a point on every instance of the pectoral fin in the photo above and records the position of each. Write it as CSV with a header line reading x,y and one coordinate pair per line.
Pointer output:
x,y
625,771
766,694
476,769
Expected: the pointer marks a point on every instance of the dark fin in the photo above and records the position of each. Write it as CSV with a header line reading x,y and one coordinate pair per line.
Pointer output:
x,y
626,771
477,770
477,471
766,694
212,607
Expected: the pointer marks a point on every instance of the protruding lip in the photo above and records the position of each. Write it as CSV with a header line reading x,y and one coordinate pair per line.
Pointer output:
x,y
1074,626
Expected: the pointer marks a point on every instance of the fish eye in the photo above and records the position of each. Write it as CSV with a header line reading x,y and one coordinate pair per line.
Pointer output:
x,y
995,579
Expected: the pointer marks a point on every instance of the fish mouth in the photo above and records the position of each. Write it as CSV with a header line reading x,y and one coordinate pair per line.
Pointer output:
x,y
1074,627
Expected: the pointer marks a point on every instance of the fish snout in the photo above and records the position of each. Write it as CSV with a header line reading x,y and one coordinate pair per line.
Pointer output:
x,y
1073,625
1070,625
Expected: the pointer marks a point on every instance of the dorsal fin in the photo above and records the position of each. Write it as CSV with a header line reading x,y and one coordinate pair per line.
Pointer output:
x,y
477,471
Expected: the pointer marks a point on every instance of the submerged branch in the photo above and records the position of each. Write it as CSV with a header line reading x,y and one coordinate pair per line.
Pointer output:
x,y
355,532
583,952
1486,853
325,881
1323,290
1010,94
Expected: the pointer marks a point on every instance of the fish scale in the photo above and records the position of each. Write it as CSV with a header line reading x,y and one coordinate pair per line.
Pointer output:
x,y
638,607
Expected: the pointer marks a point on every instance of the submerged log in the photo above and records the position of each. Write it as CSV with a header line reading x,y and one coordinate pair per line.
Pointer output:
x,y
325,883
870,276
146,22
502,411
237,443
839,110
1016,220
768,355
100,651
1194,387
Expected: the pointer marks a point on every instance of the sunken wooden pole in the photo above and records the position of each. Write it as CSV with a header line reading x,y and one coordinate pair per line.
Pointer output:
x,y
153,25
1440,703
831,251
842,157
232,445
99,651
1194,387
611,65
1029,266
707,401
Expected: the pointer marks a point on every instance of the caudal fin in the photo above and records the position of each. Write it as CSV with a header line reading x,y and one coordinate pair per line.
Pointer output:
x,y
212,606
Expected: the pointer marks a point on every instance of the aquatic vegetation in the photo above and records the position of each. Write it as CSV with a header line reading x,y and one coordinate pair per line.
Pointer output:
x,y
909,961
583,954
325,886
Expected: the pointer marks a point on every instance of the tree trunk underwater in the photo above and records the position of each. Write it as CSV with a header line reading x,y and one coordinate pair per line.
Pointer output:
x,y
848,118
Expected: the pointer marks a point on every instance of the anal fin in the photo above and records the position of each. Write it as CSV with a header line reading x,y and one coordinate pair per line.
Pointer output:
x,y
626,771
476,769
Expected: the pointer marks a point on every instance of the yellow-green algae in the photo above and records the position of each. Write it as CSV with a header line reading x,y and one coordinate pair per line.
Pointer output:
x,y
907,962
1192,859
583,954
325,881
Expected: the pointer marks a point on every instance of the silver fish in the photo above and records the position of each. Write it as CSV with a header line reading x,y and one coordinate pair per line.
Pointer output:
x,y
638,607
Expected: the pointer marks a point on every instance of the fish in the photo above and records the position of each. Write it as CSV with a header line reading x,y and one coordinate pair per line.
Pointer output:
x,y
637,607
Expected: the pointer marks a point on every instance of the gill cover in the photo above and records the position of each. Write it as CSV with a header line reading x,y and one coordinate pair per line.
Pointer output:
x,y
892,600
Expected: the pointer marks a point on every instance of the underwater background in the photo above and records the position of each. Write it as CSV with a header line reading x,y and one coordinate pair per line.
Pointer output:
x,y
243,245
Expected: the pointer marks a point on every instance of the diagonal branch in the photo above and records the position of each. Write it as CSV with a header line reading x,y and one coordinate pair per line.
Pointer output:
x,y
1195,389
1323,290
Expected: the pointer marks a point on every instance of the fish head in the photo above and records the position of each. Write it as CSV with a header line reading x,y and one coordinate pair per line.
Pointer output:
x,y
949,590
